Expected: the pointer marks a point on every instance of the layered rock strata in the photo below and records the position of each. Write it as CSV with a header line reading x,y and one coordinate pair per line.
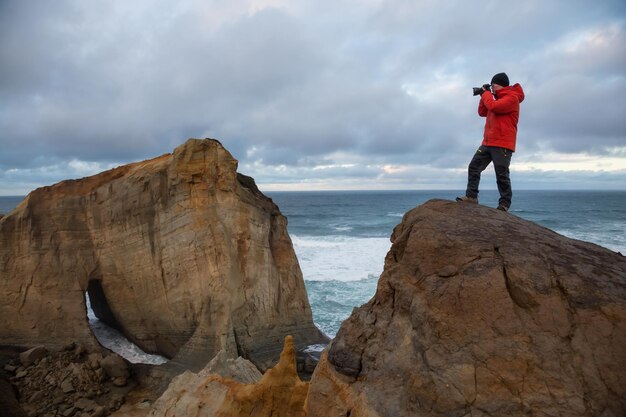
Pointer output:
x,y
481,313
181,253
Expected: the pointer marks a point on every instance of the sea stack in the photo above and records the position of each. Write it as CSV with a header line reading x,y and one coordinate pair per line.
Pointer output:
x,y
181,253
481,313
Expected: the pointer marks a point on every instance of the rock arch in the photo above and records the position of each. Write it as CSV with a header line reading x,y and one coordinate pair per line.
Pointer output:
x,y
192,257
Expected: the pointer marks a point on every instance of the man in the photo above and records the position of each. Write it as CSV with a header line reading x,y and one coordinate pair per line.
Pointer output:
x,y
502,112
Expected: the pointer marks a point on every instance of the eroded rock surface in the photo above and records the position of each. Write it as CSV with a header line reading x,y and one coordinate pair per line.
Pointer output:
x,y
183,254
278,393
481,313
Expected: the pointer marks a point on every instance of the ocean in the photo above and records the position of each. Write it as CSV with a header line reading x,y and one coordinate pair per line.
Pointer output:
x,y
341,237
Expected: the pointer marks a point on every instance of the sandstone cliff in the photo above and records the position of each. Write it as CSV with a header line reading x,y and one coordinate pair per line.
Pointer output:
x,y
481,313
183,254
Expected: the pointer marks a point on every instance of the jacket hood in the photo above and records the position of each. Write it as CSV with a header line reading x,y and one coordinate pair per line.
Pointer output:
x,y
515,90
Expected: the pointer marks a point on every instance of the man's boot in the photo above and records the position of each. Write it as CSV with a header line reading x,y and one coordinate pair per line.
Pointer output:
x,y
467,199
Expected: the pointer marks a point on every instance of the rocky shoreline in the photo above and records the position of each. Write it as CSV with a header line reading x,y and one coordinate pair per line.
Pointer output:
x,y
69,382
477,312
72,382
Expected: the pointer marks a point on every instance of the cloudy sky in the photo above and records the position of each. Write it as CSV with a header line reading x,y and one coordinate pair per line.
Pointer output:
x,y
312,94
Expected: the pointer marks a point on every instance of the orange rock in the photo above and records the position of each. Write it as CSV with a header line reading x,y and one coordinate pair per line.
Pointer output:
x,y
181,252
279,393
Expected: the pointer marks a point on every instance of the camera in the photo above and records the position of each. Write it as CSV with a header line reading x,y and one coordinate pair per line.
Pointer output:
x,y
479,90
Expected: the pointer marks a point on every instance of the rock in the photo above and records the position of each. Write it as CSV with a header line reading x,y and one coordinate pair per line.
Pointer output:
x,y
279,393
9,406
85,404
32,355
57,400
98,412
70,412
51,380
21,374
239,369
531,323
181,253
68,346
10,368
307,360
37,396
67,386
119,381
100,375
310,363
115,366
93,360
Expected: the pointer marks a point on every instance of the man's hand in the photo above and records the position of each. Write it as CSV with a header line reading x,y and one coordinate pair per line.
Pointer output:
x,y
486,87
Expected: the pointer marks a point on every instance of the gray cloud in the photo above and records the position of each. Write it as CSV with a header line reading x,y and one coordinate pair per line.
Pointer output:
x,y
300,85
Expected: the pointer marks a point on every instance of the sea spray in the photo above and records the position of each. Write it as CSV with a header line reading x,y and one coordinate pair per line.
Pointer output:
x,y
112,339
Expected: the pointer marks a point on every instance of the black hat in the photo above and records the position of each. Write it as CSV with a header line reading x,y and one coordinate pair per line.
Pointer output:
x,y
500,79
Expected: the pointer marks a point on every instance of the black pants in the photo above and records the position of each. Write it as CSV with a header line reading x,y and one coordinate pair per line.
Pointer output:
x,y
501,158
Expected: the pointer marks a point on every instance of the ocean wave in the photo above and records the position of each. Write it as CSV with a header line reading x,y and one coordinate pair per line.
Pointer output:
x,y
314,348
113,340
392,214
340,258
342,228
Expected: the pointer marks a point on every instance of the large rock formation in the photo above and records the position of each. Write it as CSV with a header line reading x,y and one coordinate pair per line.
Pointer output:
x,y
481,313
183,254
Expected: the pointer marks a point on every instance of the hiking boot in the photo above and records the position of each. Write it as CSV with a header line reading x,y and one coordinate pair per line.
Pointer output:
x,y
503,208
467,199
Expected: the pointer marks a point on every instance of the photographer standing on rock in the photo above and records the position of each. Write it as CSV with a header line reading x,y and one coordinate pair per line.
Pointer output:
x,y
499,103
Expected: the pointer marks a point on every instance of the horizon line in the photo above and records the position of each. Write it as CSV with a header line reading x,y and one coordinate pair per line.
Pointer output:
x,y
404,190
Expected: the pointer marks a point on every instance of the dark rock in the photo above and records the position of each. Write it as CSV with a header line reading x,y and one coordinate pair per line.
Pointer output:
x,y
85,404
69,346
119,381
98,412
79,350
70,412
37,396
100,375
9,406
51,380
67,386
10,368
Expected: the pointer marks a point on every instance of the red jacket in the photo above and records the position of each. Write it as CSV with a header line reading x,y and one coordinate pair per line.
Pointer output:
x,y
502,113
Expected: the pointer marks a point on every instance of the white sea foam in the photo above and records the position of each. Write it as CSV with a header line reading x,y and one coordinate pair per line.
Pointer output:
x,y
392,214
615,242
341,258
342,228
113,340
315,348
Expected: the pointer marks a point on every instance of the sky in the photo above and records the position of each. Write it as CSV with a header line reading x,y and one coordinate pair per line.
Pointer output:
x,y
312,95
